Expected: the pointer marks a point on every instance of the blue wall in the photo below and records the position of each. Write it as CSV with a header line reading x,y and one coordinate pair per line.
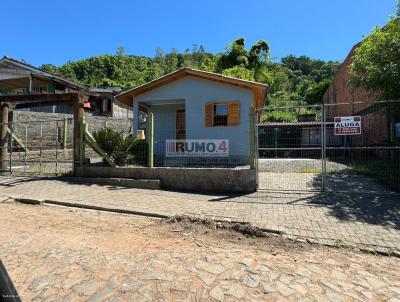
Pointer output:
x,y
196,92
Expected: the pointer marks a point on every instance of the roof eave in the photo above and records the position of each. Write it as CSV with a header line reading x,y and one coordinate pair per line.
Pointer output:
x,y
127,96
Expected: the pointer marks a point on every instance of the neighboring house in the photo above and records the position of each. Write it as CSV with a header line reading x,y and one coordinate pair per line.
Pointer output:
x,y
107,105
17,77
195,105
344,100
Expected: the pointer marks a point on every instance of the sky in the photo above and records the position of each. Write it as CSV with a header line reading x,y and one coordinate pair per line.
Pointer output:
x,y
57,31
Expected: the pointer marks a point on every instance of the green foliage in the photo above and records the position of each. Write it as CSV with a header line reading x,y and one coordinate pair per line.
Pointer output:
x,y
315,92
239,72
376,63
293,81
115,144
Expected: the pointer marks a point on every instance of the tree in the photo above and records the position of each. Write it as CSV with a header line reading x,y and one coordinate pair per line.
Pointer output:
x,y
258,54
315,92
239,72
238,55
376,62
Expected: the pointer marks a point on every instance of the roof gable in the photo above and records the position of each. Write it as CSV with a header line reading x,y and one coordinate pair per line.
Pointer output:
x,y
259,90
8,63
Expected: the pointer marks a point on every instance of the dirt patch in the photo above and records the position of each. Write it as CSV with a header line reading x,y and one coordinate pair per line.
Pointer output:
x,y
209,232
244,229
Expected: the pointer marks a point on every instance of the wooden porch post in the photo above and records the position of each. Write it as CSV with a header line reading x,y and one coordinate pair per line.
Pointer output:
x,y
252,138
77,140
4,138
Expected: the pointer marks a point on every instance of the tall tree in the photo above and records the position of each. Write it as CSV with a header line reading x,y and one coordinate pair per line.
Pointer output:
x,y
376,62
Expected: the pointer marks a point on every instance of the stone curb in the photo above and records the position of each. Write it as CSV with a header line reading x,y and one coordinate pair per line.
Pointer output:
x,y
324,242
97,208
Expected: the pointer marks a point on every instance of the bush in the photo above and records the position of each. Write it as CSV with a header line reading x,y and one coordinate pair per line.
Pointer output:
x,y
107,139
115,144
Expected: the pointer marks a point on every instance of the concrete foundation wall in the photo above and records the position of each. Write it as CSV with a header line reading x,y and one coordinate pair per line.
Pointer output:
x,y
186,179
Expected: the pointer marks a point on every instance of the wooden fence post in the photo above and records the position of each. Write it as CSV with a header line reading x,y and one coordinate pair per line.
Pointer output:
x,y
4,138
65,133
252,136
78,115
82,140
151,140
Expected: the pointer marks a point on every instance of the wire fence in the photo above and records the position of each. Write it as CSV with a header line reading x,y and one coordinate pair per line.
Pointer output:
x,y
333,147
38,148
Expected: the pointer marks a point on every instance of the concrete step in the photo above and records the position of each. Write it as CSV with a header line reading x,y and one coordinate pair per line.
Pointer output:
x,y
150,184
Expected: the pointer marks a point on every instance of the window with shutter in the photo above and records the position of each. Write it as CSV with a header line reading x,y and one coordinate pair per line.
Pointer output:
x,y
208,114
222,114
234,114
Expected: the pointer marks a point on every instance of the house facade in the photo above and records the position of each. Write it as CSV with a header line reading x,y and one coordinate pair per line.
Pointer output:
x,y
193,107
17,78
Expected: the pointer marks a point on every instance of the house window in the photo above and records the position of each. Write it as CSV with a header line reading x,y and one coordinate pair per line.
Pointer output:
x,y
220,116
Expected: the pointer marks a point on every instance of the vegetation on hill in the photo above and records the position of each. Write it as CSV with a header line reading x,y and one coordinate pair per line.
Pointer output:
x,y
299,80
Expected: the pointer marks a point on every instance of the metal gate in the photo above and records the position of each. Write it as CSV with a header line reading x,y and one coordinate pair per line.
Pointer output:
x,y
41,147
307,148
290,148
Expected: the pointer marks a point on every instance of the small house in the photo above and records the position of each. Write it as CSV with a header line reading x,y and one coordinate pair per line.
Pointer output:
x,y
199,117
20,78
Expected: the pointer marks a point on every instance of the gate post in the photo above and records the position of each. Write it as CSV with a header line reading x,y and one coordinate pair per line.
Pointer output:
x,y
65,134
252,136
3,137
323,148
151,141
78,116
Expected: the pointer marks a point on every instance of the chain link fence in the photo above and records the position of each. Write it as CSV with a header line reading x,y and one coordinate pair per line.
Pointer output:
x,y
331,147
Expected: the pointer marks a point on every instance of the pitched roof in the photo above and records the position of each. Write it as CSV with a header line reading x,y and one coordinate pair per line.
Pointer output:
x,y
259,90
7,61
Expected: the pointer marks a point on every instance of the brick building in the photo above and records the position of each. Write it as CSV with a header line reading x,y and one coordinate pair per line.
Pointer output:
x,y
341,99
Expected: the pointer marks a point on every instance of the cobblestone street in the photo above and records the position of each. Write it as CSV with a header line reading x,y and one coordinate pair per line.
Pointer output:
x,y
363,221
66,254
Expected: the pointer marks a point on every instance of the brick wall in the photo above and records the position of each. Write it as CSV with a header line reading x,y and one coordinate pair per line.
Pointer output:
x,y
342,100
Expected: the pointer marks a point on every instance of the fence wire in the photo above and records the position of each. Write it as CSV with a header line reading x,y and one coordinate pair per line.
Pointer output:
x,y
39,147
299,148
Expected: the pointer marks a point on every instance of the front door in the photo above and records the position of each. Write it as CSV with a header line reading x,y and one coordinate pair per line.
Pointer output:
x,y
180,124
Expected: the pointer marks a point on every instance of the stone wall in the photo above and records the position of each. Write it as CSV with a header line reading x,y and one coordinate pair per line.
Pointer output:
x,y
186,179
29,125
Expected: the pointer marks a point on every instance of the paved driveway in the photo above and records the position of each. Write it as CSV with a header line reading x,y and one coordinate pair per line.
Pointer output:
x,y
366,221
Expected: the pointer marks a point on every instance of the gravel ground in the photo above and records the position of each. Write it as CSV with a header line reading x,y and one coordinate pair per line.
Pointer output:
x,y
60,254
296,165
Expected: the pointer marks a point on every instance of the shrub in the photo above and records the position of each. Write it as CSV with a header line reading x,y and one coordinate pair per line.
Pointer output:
x,y
115,144
107,139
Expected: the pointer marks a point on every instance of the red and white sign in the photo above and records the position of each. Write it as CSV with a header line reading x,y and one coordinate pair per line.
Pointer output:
x,y
347,125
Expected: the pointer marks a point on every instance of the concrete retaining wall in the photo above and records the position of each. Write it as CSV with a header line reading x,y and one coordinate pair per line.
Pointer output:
x,y
186,179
